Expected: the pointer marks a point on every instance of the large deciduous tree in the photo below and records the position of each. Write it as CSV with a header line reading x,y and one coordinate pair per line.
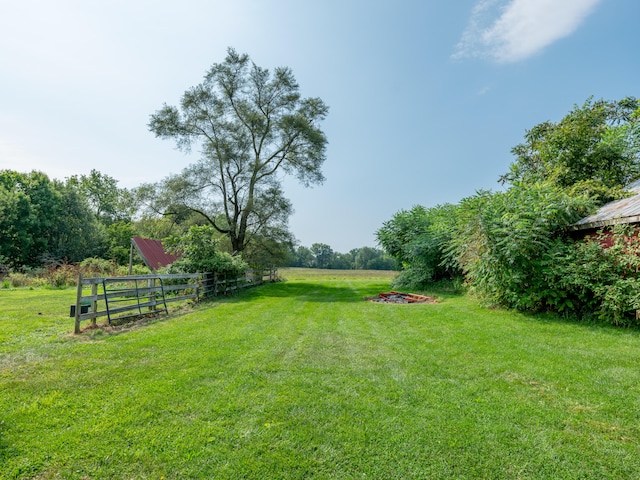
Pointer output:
x,y
251,126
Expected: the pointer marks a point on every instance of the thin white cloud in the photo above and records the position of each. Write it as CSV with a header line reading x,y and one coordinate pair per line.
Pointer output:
x,y
484,90
512,30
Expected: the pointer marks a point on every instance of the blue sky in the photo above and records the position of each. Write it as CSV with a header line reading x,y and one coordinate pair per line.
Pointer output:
x,y
426,97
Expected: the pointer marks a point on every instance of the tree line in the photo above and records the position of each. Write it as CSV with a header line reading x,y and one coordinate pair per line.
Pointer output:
x,y
46,221
515,247
321,255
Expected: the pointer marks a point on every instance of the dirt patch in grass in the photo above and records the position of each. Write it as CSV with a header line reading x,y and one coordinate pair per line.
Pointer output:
x,y
401,298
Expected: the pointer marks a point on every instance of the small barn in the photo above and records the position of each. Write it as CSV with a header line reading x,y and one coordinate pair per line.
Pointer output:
x,y
152,253
618,212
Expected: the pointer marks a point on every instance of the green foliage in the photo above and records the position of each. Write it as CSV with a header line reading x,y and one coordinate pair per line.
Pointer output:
x,y
41,220
368,258
323,254
29,205
199,254
301,257
417,239
97,267
18,279
342,261
514,251
512,247
77,233
150,225
599,276
106,200
505,242
119,236
59,276
270,251
598,143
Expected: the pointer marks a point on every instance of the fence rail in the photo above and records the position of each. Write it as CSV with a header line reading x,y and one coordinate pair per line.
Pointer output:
x,y
140,295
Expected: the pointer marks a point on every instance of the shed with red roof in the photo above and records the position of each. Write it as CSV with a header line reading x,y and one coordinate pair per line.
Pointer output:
x,y
152,253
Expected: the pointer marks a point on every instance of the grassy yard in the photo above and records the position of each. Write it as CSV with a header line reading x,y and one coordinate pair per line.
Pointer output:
x,y
303,379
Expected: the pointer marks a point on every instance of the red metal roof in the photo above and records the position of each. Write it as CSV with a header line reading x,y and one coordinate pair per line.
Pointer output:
x,y
153,253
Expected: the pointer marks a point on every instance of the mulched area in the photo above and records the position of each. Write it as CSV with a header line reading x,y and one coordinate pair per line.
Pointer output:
x,y
398,297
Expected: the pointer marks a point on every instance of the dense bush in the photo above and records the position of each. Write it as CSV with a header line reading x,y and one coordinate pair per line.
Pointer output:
x,y
199,253
417,239
505,242
598,277
18,279
64,275
98,267
513,250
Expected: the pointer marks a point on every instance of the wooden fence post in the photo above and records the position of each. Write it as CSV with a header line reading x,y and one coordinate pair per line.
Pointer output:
x,y
151,284
78,308
94,303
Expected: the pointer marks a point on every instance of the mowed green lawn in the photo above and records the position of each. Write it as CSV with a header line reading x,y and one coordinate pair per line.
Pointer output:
x,y
304,379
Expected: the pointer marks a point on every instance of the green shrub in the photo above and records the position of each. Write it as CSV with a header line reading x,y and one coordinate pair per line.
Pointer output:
x,y
58,276
417,240
507,243
98,267
600,277
136,269
199,254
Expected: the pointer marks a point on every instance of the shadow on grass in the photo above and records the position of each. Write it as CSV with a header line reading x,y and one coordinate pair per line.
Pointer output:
x,y
4,446
306,292
592,324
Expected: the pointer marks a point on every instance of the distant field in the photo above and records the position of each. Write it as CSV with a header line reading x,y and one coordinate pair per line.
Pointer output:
x,y
304,379
308,273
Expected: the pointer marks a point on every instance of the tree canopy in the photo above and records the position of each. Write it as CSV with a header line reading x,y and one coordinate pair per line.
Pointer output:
x,y
199,252
594,148
250,126
43,220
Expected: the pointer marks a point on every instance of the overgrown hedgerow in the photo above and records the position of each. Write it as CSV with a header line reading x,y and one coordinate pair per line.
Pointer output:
x,y
512,248
506,242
